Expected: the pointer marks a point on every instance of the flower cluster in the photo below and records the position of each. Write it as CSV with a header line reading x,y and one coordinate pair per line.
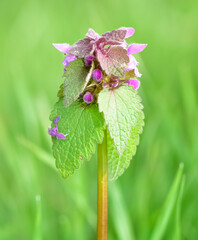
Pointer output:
x,y
54,131
113,59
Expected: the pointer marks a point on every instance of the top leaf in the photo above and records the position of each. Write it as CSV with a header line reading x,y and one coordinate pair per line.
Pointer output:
x,y
121,108
116,35
114,62
82,48
76,76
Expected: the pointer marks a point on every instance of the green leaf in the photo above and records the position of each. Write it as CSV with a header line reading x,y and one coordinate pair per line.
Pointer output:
x,y
84,126
121,108
117,164
77,76
114,62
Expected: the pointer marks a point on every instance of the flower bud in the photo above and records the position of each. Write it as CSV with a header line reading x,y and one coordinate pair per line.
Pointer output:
x,y
88,97
88,60
104,85
97,75
115,84
134,82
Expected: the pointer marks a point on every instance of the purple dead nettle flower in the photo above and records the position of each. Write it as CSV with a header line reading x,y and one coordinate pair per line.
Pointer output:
x,y
95,45
65,49
88,97
54,131
97,75
132,65
113,58
115,84
88,60
134,82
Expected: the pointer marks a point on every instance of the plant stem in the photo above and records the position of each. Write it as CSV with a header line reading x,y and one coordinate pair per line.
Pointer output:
x,y
102,190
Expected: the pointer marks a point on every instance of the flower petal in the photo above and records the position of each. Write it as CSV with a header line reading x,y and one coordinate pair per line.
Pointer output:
x,y
137,73
56,120
62,47
134,82
136,47
129,33
69,58
53,132
60,136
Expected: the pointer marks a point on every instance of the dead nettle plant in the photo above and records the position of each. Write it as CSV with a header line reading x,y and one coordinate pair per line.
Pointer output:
x,y
99,106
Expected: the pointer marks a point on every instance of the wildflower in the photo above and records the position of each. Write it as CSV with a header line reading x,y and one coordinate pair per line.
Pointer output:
x,y
54,131
136,48
104,85
134,82
88,60
97,75
64,47
109,49
115,84
88,97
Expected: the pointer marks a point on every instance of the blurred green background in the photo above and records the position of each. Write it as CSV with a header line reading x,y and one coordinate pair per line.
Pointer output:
x,y
35,203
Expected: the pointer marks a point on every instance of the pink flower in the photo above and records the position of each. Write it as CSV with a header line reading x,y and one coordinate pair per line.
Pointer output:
x,y
64,47
109,49
88,60
97,75
88,97
136,48
133,82
94,42
54,131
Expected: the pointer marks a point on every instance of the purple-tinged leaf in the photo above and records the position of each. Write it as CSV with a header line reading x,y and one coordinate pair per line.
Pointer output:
x,y
114,62
92,34
116,35
83,48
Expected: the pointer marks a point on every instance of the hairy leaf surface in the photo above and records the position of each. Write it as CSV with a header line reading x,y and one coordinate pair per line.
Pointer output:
x,y
114,62
117,164
77,76
121,108
84,126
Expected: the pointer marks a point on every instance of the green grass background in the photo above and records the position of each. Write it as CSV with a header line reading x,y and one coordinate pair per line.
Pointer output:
x,y
35,203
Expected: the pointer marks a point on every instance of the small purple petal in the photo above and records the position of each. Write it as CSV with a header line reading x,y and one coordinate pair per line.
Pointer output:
x,y
88,60
137,73
53,132
97,75
69,58
134,82
56,120
104,85
88,97
132,63
136,47
62,47
115,84
130,31
60,136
